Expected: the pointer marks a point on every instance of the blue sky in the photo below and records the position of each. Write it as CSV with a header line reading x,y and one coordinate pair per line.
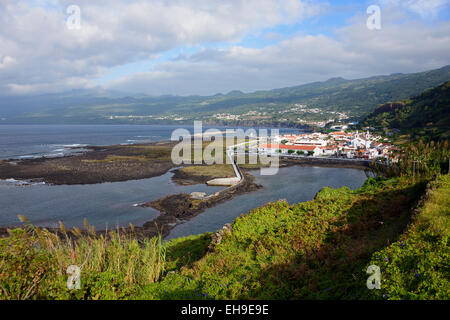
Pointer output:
x,y
333,16
205,47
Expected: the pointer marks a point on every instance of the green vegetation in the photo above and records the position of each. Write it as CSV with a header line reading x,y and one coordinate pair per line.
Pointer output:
x,y
418,159
426,116
140,153
320,101
111,158
152,152
33,263
211,171
283,251
318,249
417,265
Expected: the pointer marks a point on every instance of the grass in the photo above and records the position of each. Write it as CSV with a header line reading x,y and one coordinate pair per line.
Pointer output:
x,y
312,250
319,249
183,252
111,158
417,266
33,263
213,171
138,153
153,152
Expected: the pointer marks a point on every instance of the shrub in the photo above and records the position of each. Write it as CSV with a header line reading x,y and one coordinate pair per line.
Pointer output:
x,y
33,263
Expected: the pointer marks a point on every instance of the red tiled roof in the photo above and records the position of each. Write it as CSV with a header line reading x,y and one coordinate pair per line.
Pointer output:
x,y
289,147
328,148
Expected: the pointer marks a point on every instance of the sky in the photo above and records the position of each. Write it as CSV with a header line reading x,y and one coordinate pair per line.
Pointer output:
x,y
204,47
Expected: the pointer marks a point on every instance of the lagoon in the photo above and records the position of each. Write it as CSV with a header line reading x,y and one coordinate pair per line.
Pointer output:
x,y
112,204
295,184
109,205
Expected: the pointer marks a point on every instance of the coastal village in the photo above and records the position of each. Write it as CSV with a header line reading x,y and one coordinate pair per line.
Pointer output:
x,y
340,144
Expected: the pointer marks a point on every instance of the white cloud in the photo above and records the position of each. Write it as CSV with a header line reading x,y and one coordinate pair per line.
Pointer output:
x,y
356,52
39,54
424,8
6,62
121,32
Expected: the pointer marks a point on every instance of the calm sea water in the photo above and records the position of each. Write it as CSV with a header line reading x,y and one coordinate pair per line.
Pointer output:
x,y
104,205
30,141
295,184
112,204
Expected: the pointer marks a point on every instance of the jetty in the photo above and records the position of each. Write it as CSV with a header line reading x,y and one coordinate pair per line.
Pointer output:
x,y
228,181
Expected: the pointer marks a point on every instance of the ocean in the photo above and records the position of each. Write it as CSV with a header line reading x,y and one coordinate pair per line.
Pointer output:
x,y
109,205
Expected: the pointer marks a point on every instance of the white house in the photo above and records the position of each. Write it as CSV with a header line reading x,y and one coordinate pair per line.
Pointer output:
x,y
284,149
311,142
349,152
361,143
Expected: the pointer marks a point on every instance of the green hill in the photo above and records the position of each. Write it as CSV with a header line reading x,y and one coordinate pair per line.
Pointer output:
x,y
356,98
424,116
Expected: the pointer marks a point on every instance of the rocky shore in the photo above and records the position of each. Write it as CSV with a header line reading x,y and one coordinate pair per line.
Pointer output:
x,y
177,208
181,177
122,163
97,165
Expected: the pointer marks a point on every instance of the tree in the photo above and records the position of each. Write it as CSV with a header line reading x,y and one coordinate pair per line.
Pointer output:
x,y
299,152
291,151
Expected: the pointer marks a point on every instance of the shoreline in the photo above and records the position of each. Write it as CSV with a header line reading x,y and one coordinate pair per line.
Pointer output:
x,y
96,165
326,162
178,208
175,208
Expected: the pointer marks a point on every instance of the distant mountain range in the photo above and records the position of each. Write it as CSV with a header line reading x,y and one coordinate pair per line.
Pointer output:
x,y
350,99
425,116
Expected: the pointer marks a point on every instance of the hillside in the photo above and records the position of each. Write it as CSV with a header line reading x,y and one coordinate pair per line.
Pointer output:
x,y
426,115
302,105
318,249
417,265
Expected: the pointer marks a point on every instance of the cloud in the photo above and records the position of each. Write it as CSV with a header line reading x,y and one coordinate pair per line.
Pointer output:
x,y
356,52
38,53
424,8
6,62
49,55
